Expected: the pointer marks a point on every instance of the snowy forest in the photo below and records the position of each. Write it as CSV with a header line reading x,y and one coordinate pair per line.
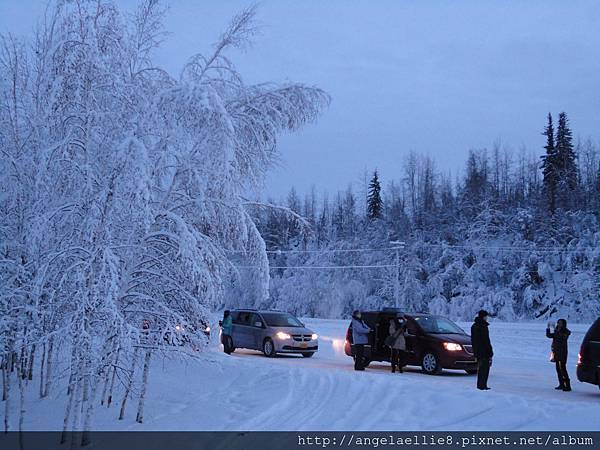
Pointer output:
x,y
516,233
122,191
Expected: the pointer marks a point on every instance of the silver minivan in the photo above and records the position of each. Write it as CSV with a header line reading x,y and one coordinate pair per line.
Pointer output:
x,y
272,332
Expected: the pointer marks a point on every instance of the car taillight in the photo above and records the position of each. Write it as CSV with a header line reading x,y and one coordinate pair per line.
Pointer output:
x,y
582,354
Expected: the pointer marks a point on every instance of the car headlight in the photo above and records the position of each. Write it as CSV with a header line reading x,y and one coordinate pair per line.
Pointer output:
x,y
314,336
452,347
179,328
207,329
282,335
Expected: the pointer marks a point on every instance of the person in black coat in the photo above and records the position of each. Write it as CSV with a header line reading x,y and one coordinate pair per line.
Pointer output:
x,y
482,348
560,350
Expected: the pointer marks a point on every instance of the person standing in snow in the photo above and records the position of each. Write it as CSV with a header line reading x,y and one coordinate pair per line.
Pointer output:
x,y
360,337
397,343
226,328
482,348
560,349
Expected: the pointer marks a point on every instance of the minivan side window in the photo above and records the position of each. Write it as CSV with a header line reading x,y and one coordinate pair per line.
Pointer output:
x,y
411,327
243,318
254,319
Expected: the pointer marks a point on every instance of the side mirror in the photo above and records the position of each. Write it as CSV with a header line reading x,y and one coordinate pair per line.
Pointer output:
x,y
258,324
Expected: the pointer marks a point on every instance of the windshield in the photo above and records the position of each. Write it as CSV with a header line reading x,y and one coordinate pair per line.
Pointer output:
x,y
438,325
281,320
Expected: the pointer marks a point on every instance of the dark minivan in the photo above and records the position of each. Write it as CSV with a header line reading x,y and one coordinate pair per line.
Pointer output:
x,y
433,342
588,365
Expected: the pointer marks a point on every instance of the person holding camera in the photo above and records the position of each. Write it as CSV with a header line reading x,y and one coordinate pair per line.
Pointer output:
x,y
560,348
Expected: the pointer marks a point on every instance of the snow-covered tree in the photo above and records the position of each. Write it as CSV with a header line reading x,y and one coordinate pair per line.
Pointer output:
x,y
122,196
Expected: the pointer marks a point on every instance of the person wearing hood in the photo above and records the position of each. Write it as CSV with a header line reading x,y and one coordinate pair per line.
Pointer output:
x,y
560,336
482,348
360,337
226,329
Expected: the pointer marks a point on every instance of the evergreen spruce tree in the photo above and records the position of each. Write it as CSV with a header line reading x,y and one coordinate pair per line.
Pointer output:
x,y
565,154
374,202
550,165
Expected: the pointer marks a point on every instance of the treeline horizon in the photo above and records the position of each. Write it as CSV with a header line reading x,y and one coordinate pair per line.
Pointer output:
x,y
512,233
498,178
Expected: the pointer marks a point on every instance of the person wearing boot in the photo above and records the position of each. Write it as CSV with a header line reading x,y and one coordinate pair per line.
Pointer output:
x,y
397,343
482,348
560,336
360,338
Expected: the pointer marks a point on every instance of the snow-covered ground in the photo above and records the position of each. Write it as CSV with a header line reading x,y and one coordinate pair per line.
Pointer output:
x,y
247,391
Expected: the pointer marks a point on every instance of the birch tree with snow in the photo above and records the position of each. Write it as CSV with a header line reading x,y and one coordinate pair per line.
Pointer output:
x,y
122,198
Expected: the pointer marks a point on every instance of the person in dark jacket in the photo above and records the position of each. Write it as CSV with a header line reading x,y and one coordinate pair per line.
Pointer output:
x,y
560,336
226,329
482,348
360,337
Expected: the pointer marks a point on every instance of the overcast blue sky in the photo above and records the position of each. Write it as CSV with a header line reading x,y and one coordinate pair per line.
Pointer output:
x,y
434,77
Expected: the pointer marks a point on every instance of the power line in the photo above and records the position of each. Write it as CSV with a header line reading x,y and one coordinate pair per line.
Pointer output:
x,y
336,250
430,245
322,267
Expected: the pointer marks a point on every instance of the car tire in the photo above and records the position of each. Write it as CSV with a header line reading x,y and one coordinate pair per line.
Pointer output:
x,y
308,355
430,364
471,371
268,347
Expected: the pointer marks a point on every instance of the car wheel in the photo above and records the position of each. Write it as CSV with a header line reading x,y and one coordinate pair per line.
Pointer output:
x,y
308,355
430,364
471,371
268,347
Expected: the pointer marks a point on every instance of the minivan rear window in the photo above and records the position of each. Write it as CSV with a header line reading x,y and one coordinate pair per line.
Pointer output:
x,y
281,320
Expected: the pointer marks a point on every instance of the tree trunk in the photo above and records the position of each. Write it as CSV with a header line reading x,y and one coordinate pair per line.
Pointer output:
x,y
87,369
140,413
129,385
87,422
72,374
21,408
105,388
75,425
112,381
31,361
22,362
49,367
42,365
7,363
71,394
4,376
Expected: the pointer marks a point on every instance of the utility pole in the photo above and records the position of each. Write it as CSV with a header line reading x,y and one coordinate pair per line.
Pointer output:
x,y
397,245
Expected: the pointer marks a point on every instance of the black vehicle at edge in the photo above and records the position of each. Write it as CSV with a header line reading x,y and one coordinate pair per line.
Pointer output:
x,y
433,351
588,365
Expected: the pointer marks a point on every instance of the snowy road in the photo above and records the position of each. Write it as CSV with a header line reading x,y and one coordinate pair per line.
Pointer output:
x,y
246,391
